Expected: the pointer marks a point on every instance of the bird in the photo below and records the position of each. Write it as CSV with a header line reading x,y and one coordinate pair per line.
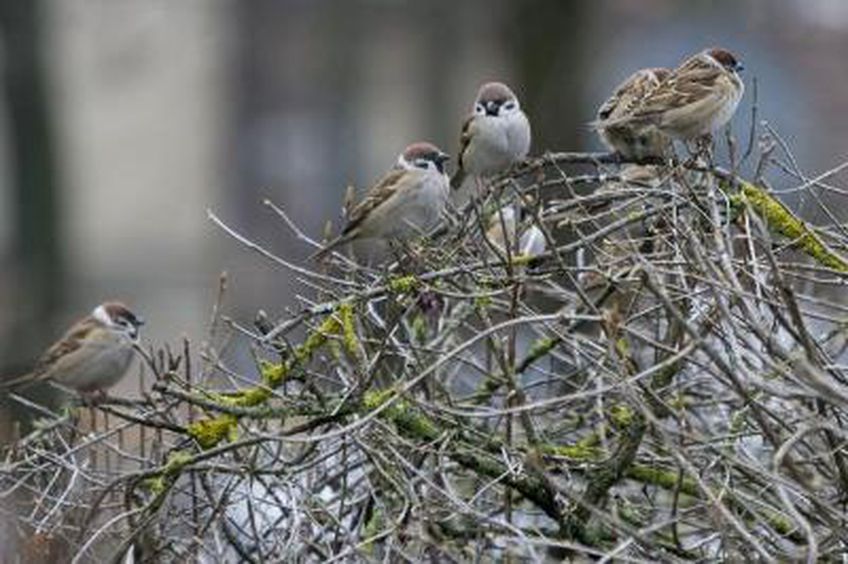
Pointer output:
x,y
698,97
501,232
532,242
92,356
409,199
632,140
494,137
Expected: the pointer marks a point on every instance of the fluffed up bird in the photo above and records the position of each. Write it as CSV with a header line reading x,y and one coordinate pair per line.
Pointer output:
x,y
632,140
93,355
494,137
408,200
698,97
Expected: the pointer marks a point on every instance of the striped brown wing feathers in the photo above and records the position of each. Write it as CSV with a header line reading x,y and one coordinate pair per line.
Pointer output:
x,y
628,94
690,84
464,140
375,196
70,341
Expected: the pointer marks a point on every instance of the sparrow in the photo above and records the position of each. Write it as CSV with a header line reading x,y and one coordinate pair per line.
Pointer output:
x,y
409,199
632,140
698,97
93,355
494,137
501,231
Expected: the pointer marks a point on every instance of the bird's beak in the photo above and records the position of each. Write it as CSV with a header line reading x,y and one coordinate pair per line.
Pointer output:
x,y
739,67
492,108
139,321
443,158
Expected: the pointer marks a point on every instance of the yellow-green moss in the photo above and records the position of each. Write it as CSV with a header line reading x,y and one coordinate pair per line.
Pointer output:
x,y
419,328
403,284
671,480
209,432
375,399
273,375
401,414
667,479
784,222
621,416
349,337
176,462
584,449
247,397
316,339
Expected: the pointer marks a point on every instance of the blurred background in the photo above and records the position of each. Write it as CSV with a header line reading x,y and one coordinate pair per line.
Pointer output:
x,y
123,121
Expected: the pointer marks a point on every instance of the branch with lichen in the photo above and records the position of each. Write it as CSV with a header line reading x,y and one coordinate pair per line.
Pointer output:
x,y
210,431
781,219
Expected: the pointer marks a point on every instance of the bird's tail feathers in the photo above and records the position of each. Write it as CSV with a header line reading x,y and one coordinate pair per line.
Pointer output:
x,y
332,245
18,381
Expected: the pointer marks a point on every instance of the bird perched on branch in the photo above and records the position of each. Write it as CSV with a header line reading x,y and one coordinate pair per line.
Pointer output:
x,y
629,139
494,137
93,355
698,97
407,200
502,229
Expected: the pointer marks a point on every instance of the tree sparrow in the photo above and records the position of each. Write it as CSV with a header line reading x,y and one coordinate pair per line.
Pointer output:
x,y
632,140
93,355
698,97
501,231
407,200
494,137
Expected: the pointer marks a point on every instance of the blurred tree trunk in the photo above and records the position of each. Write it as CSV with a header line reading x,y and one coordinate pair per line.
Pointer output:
x,y
37,252
551,56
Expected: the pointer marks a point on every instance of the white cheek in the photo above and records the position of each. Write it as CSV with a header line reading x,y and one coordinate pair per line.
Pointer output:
x,y
100,315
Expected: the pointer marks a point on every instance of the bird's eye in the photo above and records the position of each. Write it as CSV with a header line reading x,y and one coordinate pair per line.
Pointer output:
x,y
509,106
479,109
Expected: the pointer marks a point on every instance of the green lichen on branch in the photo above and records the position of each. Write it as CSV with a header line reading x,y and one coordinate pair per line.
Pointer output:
x,y
211,431
584,449
349,337
413,424
787,224
671,480
621,416
664,478
403,284
160,483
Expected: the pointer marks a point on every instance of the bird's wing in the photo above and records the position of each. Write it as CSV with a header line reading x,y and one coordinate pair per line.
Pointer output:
x,y
61,351
689,85
377,195
464,140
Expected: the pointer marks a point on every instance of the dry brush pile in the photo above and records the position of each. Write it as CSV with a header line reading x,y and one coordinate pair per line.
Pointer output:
x,y
665,382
